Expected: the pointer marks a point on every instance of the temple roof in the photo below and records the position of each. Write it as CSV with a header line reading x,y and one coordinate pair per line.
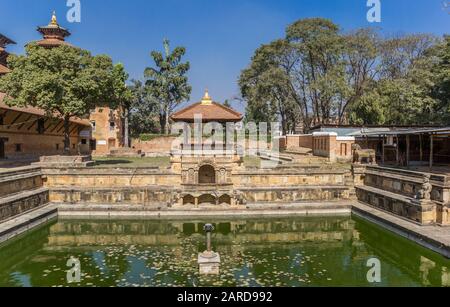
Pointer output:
x,y
3,54
53,34
38,112
209,110
4,69
5,41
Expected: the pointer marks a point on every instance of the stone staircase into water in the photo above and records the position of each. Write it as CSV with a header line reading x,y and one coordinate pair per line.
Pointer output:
x,y
21,191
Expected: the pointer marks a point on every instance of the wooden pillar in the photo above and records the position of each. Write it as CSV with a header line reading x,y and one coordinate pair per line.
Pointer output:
x,y
421,148
408,146
431,150
382,156
397,151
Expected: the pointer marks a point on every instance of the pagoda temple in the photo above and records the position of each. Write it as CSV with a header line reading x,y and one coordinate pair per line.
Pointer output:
x,y
4,41
53,34
209,110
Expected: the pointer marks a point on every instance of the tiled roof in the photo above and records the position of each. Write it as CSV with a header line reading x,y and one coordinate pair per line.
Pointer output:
x,y
210,112
52,42
38,112
5,40
4,69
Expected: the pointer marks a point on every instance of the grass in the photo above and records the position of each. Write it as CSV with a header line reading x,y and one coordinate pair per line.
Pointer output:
x,y
132,162
252,162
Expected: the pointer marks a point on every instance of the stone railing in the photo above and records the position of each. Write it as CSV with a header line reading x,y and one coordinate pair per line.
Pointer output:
x,y
407,183
416,196
21,190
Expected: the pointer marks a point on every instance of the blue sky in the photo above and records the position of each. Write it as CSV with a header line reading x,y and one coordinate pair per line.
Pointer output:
x,y
220,35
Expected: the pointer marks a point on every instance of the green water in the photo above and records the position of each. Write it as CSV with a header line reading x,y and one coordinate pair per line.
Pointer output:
x,y
319,251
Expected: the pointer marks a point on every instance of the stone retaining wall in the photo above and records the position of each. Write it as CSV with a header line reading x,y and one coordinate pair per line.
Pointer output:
x,y
395,191
20,179
21,190
20,203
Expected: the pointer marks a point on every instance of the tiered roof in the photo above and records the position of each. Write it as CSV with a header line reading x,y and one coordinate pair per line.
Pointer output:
x,y
3,54
209,110
53,34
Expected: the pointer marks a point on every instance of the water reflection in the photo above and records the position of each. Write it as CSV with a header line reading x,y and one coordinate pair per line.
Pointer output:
x,y
270,252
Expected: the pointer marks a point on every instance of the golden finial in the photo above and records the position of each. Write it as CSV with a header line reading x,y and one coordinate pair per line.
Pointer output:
x,y
54,22
206,98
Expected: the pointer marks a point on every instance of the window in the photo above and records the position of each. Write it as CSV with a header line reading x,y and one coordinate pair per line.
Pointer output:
x,y
112,126
94,126
83,141
100,110
57,146
41,125
73,146
18,147
1,120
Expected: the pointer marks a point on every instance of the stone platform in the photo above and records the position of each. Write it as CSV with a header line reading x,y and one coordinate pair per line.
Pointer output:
x,y
125,153
64,161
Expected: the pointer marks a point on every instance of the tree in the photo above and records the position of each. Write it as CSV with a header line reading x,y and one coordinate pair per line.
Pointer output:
x,y
167,82
266,85
64,81
441,71
123,98
144,111
318,75
402,92
227,103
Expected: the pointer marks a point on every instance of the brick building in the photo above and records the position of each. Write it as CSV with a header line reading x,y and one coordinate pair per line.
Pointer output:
x,y
107,130
30,132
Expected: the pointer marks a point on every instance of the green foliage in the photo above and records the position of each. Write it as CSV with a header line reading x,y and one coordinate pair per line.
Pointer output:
x,y
144,112
123,97
318,75
64,81
167,81
145,137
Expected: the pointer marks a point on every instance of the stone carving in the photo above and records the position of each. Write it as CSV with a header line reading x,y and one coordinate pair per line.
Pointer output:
x,y
425,191
223,176
191,176
175,198
360,154
239,198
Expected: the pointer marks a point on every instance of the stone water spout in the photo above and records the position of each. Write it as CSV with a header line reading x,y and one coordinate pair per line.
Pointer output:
x,y
209,261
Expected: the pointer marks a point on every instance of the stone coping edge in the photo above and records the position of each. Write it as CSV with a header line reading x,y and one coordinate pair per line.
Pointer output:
x,y
35,218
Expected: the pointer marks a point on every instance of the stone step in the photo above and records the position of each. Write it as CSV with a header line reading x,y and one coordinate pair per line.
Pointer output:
x,y
22,195
27,221
16,204
133,210
381,192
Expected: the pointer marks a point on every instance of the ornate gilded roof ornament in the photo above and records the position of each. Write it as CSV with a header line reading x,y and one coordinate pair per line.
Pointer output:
x,y
206,100
54,21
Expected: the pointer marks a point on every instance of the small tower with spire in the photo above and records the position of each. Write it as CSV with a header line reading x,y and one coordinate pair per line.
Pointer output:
x,y
53,34
206,100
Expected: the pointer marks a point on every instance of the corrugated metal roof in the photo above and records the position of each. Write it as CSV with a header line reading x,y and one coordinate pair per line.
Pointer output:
x,y
442,130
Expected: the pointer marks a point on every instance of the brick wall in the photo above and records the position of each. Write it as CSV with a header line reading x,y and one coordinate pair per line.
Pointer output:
x,y
158,145
301,140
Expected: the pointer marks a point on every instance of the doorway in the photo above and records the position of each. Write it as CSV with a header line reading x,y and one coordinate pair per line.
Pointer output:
x,y
207,175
